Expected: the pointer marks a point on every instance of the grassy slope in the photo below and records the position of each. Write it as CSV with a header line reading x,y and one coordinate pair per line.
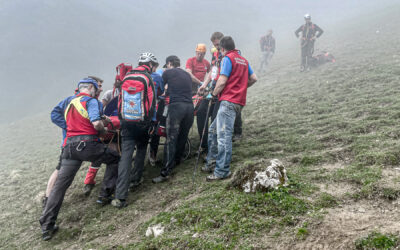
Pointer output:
x,y
335,127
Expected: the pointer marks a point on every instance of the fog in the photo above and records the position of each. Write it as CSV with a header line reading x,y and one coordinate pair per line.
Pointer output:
x,y
47,46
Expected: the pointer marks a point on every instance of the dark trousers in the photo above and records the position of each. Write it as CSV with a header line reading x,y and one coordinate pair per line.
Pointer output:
x,y
179,121
307,50
155,138
237,128
73,156
132,136
201,120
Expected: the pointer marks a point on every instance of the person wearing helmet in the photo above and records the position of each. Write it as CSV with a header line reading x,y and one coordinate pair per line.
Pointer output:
x,y
198,67
57,117
178,85
134,135
267,45
83,119
309,33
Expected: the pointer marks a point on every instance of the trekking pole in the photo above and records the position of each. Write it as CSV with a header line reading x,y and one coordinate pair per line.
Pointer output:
x,y
201,141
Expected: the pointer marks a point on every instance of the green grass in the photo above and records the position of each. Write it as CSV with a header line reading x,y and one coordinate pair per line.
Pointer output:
x,y
345,113
376,240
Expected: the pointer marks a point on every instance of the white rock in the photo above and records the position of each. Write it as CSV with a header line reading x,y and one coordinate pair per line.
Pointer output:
x,y
273,176
155,230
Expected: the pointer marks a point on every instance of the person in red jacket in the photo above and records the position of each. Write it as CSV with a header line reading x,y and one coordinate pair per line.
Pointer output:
x,y
83,117
235,77
198,67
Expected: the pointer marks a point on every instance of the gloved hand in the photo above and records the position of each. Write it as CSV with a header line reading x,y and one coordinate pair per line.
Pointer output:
x,y
153,127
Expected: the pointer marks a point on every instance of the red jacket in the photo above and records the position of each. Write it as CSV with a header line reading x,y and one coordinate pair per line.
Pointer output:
x,y
76,123
235,90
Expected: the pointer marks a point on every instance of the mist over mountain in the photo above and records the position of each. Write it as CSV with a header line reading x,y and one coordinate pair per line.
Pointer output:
x,y
47,46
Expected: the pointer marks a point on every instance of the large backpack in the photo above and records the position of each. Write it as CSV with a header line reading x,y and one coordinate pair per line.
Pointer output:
x,y
137,98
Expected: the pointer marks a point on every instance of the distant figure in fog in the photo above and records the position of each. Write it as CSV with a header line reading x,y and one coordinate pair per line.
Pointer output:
x,y
267,45
309,33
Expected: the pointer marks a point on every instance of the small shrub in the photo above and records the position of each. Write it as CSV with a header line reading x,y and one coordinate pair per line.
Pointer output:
x,y
376,240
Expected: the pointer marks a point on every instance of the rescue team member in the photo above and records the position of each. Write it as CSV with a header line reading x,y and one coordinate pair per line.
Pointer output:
x,y
180,115
83,119
309,33
213,76
134,135
57,117
235,77
267,45
198,67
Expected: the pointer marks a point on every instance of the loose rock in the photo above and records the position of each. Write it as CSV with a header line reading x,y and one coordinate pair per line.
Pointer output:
x,y
260,176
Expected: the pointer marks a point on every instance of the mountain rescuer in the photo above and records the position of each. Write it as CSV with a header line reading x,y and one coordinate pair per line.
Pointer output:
x,y
309,33
180,116
84,123
137,107
267,45
57,117
235,77
198,67
210,78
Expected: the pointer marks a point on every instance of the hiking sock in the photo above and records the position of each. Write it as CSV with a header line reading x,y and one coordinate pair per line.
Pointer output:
x,y
91,174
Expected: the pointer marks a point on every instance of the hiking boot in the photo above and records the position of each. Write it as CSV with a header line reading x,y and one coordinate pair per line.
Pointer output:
x,y
44,201
103,200
152,159
160,179
119,203
48,234
209,168
213,177
87,189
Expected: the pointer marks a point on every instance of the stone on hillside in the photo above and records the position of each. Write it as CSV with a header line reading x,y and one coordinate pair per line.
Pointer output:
x,y
260,176
155,230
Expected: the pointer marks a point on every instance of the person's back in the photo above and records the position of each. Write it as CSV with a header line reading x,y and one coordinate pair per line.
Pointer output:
x,y
180,117
179,85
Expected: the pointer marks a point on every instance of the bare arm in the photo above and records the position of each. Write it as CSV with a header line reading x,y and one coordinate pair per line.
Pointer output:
x,y
194,79
252,80
220,85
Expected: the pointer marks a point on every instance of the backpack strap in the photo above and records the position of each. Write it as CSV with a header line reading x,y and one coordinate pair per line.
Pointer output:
x,y
76,102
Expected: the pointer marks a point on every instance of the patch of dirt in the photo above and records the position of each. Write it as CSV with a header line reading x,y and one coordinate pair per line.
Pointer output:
x,y
336,189
342,226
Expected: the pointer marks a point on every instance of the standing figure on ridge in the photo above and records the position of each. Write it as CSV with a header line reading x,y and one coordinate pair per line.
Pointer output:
x,y
309,33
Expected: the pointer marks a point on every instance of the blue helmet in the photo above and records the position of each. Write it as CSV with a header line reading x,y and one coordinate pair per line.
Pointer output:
x,y
89,80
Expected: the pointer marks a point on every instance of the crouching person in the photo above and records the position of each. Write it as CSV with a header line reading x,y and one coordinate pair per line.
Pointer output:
x,y
136,108
236,76
83,119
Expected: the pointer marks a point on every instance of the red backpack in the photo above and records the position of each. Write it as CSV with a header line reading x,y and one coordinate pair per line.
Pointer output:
x,y
137,98
122,69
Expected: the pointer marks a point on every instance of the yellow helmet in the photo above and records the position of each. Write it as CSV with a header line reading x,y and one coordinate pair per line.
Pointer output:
x,y
201,47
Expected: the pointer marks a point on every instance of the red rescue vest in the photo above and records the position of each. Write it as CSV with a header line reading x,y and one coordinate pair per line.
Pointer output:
x,y
235,90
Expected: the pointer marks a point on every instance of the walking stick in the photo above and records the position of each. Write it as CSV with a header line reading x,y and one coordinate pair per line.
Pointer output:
x,y
214,73
201,141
